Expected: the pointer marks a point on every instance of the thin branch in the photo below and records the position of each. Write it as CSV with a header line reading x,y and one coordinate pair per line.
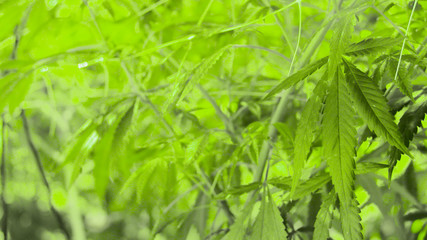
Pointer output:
x,y
236,138
404,40
388,20
264,49
37,158
3,181
225,230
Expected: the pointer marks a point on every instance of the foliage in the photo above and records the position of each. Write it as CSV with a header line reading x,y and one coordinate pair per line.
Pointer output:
x,y
243,119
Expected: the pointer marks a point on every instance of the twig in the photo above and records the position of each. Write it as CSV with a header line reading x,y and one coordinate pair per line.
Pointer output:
x,y
3,181
264,49
236,138
404,40
37,158
225,230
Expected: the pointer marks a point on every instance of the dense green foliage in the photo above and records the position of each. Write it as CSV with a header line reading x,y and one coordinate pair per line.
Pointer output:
x,y
213,119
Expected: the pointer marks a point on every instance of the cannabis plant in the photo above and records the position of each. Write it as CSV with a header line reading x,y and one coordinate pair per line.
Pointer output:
x,y
228,119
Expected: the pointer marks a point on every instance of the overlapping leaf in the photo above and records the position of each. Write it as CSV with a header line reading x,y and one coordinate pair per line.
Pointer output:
x,y
103,152
305,130
339,141
188,81
297,77
268,223
324,218
402,80
408,125
372,107
371,46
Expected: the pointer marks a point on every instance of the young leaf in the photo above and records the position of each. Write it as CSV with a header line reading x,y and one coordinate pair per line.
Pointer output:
x,y
305,130
14,87
368,167
372,107
102,156
122,129
324,218
188,81
339,141
350,220
371,46
239,190
142,174
402,81
296,77
197,218
268,223
195,148
309,186
339,42
238,229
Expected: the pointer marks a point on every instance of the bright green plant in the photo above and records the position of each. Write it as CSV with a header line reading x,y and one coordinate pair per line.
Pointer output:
x,y
231,119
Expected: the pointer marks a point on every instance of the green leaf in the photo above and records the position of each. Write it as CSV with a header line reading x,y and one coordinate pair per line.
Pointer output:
x,y
339,42
371,46
188,81
238,229
268,224
368,167
339,141
285,131
305,188
296,77
284,183
123,127
402,80
140,177
311,185
408,125
372,107
239,190
102,154
197,218
324,218
195,149
14,88
80,152
305,130
350,220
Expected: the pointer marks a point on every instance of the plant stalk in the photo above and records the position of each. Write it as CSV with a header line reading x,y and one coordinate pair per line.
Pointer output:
x,y
57,215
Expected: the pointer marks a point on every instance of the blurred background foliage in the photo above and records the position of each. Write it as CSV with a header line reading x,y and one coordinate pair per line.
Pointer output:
x,y
147,116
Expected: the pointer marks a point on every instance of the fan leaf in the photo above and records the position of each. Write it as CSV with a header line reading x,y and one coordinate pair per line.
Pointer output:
x,y
305,130
372,107
339,141
297,77
402,78
268,223
408,125
324,218
371,46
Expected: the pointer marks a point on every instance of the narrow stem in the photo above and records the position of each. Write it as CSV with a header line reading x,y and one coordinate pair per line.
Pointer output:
x,y
404,40
265,152
199,23
59,219
264,49
3,181
298,39
388,20
236,138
